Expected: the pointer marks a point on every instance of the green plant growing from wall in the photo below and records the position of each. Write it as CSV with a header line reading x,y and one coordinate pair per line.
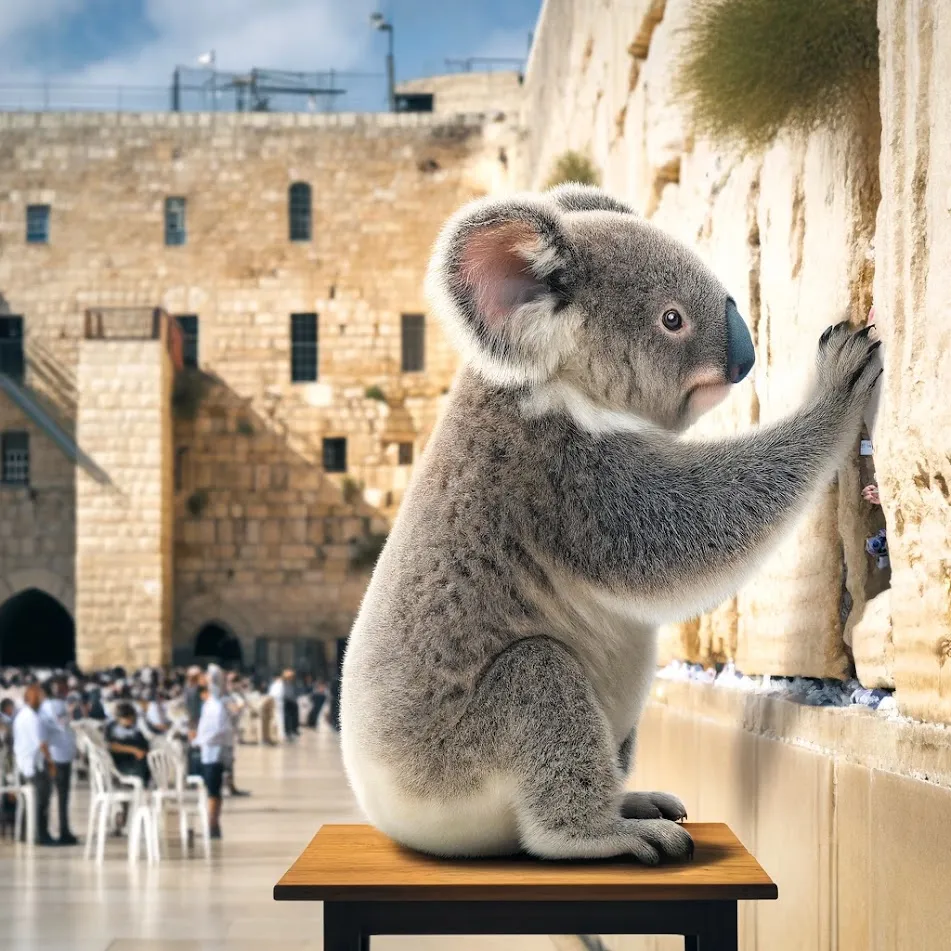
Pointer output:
x,y
751,69
572,166
375,393
352,490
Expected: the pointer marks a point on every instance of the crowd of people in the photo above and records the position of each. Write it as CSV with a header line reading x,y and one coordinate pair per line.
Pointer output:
x,y
207,711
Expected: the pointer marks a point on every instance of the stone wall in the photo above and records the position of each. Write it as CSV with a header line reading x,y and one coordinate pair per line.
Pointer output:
x,y
252,497
913,308
790,232
123,524
470,92
38,522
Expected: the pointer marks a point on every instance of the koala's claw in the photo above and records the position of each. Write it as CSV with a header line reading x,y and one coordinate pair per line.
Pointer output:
x,y
652,805
847,363
655,839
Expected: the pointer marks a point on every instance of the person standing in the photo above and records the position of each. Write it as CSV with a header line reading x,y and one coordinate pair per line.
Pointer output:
x,y
32,755
213,737
61,740
276,696
318,698
291,706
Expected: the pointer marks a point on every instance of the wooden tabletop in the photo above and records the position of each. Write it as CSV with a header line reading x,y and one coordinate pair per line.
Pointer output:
x,y
358,863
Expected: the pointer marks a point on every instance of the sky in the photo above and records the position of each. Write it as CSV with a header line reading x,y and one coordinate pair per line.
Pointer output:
x,y
139,42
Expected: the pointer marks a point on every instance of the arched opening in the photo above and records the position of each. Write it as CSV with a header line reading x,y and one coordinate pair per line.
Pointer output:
x,y
216,642
36,631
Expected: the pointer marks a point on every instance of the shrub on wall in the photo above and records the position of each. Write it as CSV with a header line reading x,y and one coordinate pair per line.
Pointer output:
x,y
752,68
574,167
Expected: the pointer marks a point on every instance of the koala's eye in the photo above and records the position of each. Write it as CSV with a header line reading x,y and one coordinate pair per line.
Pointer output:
x,y
672,321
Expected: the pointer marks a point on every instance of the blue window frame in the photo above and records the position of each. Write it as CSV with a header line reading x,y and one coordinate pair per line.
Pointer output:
x,y
37,224
174,221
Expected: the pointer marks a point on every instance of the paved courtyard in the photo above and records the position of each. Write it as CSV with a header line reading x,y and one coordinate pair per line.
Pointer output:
x,y
53,900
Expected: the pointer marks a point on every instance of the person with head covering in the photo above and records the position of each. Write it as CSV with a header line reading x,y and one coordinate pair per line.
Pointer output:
x,y
214,736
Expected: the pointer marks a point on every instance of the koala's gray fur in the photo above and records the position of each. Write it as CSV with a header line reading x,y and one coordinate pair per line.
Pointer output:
x,y
502,656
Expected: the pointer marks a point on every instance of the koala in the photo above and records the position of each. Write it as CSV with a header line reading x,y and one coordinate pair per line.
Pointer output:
x,y
505,647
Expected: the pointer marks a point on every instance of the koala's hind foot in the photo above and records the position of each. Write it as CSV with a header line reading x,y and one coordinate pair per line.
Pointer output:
x,y
557,742
652,805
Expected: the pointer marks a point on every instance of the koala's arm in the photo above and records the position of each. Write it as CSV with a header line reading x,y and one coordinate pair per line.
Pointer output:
x,y
675,527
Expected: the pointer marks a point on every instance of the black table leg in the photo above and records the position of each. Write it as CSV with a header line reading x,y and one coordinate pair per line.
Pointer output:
x,y
719,931
342,928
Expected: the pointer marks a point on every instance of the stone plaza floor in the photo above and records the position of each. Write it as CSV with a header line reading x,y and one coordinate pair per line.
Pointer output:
x,y
53,900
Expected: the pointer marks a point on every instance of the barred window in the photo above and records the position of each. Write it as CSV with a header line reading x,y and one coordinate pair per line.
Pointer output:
x,y
406,454
174,221
414,343
15,448
304,348
11,347
335,455
37,224
299,211
188,324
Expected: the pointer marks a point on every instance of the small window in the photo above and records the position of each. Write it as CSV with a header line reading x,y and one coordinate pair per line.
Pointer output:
x,y
174,221
335,455
303,348
37,224
188,324
414,343
11,347
298,211
406,454
15,448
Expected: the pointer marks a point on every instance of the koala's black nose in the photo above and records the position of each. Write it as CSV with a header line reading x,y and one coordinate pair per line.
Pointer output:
x,y
739,345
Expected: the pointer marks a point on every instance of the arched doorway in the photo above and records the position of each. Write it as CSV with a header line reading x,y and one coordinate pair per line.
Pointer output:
x,y
36,631
216,642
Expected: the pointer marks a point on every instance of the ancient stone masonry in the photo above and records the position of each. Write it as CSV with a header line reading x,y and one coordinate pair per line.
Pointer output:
x,y
793,233
265,540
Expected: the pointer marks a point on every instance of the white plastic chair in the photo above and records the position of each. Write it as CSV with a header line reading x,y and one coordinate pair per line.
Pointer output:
x,y
176,791
107,795
143,827
25,809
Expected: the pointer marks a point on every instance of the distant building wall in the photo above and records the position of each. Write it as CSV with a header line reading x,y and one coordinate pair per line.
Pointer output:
x,y
265,541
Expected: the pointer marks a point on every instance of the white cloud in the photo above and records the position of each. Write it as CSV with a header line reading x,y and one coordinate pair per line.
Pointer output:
x,y
278,34
307,35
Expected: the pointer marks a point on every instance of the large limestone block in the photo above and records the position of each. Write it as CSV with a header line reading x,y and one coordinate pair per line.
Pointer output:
x,y
815,218
913,310
872,645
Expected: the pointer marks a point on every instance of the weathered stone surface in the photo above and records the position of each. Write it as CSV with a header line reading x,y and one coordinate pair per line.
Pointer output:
x,y
913,312
872,644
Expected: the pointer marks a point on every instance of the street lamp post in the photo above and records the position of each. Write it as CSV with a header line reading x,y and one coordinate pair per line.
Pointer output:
x,y
379,22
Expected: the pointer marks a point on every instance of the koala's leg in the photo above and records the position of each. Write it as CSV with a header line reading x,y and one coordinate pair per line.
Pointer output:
x,y
558,744
645,805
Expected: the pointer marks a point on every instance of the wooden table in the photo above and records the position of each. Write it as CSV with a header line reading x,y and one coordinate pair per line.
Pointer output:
x,y
371,886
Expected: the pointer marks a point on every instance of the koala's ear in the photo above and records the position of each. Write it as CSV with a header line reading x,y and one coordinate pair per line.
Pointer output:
x,y
575,197
500,279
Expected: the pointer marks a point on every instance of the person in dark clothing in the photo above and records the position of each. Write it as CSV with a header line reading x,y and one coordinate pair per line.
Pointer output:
x,y
291,710
318,698
128,744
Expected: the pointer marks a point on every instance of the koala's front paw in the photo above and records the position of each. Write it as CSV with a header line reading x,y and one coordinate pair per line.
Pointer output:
x,y
652,805
848,363
656,839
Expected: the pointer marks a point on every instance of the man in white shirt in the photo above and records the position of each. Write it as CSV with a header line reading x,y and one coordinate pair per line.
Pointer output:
x,y
32,755
214,737
276,693
62,750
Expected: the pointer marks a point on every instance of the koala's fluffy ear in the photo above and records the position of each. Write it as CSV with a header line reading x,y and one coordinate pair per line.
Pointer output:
x,y
575,197
500,279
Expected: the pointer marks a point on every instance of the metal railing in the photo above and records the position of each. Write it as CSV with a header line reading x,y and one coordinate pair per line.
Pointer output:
x,y
196,91
135,323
